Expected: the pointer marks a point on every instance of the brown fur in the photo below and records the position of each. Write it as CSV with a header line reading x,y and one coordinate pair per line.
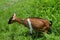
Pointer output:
x,y
37,23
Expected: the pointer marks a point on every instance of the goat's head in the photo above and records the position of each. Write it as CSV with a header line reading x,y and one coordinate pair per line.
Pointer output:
x,y
12,19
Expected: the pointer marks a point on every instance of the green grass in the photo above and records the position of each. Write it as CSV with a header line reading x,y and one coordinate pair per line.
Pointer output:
x,y
47,9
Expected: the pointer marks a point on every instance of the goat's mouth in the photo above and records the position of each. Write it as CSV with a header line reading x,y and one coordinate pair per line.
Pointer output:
x,y
10,20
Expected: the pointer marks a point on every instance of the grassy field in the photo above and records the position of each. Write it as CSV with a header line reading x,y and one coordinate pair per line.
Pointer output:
x,y
47,9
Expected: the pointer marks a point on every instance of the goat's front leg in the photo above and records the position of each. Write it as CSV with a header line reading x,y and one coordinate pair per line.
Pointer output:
x,y
31,30
30,25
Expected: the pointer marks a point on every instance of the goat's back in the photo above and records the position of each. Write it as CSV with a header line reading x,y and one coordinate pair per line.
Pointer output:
x,y
38,23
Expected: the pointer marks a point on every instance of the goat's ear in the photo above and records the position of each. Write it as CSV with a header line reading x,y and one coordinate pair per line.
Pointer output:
x,y
14,14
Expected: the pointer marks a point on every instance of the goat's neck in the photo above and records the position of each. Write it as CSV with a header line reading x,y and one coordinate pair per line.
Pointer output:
x,y
19,20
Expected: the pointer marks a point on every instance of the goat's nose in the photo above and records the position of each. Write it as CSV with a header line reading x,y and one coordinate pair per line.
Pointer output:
x,y
9,22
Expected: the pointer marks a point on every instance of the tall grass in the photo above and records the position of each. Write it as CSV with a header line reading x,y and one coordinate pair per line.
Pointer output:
x,y
47,9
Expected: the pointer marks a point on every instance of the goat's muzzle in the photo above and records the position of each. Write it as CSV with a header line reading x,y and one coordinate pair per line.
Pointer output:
x,y
10,20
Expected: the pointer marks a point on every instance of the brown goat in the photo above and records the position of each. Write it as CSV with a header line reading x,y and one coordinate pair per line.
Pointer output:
x,y
39,24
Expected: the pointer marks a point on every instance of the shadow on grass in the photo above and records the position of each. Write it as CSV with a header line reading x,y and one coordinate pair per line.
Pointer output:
x,y
33,35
